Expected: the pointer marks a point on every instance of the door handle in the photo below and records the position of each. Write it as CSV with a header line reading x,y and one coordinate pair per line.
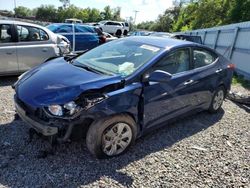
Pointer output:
x,y
9,53
188,82
218,70
45,49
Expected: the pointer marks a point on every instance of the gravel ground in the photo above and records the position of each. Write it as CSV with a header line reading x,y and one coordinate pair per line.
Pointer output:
x,y
203,150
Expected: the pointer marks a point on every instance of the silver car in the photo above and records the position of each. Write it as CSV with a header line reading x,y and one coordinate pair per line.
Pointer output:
x,y
25,45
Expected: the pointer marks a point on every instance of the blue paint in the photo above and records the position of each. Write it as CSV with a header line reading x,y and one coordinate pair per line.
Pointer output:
x,y
150,103
85,36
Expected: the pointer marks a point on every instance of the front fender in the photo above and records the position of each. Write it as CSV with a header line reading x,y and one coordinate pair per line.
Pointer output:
x,y
124,100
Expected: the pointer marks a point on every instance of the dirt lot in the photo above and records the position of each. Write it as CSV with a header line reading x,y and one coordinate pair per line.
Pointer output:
x,y
203,150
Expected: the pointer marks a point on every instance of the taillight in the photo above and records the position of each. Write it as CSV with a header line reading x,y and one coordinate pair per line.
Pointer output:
x,y
102,39
231,66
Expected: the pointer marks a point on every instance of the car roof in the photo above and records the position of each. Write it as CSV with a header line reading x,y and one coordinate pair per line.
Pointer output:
x,y
110,21
159,41
19,23
80,24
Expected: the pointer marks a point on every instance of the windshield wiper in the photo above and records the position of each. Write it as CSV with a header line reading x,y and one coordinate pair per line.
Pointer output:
x,y
89,68
71,57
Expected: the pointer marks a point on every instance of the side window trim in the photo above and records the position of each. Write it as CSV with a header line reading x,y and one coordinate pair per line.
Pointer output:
x,y
216,57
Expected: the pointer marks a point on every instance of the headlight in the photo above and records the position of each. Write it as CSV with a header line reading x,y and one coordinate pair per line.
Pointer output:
x,y
67,109
55,110
71,108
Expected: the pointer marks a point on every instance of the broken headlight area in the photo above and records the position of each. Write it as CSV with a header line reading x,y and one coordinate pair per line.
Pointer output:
x,y
72,109
67,110
91,100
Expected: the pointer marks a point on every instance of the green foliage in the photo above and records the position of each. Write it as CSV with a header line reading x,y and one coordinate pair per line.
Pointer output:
x,y
165,21
107,13
237,79
49,13
22,11
198,14
239,11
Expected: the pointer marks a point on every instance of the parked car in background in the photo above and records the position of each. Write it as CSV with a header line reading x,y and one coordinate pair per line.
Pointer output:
x,y
140,33
109,37
25,45
112,27
161,34
86,37
125,28
196,39
73,20
121,90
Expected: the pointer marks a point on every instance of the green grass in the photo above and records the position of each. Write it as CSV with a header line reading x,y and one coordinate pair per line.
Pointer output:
x,y
238,79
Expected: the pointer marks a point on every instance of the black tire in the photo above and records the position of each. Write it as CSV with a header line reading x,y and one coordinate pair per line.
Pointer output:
x,y
125,32
118,33
212,107
97,129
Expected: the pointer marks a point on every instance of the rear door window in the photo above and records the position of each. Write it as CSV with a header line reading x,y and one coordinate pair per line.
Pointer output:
x,y
6,33
83,29
29,33
203,57
64,29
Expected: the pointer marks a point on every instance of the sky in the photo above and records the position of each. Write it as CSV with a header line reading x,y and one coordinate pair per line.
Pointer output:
x,y
148,9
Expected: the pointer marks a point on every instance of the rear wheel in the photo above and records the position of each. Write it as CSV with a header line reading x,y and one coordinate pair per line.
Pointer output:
x,y
111,136
217,100
125,32
118,33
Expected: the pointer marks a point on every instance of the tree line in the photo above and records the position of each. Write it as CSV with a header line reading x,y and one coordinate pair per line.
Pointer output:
x,y
198,14
183,15
50,13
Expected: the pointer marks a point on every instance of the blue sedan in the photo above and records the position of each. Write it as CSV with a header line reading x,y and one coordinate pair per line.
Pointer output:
x,y
121,90
86,36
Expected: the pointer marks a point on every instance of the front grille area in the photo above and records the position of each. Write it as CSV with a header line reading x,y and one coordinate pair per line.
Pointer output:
x,y
27,108
31,111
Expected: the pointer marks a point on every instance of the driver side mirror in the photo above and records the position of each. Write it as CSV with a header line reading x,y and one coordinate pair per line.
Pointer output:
x,y
159,76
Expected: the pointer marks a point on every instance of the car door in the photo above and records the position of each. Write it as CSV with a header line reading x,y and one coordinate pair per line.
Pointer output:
x,y
207,72
167,100
34,47
8,53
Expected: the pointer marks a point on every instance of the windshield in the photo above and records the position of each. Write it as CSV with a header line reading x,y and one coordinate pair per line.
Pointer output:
x,y
121,57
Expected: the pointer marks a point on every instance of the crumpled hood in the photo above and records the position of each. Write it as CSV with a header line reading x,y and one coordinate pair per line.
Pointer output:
x,y
58,82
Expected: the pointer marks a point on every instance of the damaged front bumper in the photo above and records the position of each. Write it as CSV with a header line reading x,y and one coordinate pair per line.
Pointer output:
x,y
61,130
38,125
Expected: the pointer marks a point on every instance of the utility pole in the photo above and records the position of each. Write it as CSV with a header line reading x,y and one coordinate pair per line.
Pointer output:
x,y
14,8
136,11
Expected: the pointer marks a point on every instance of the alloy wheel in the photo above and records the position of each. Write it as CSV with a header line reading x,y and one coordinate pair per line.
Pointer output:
x,y
218,99
116,139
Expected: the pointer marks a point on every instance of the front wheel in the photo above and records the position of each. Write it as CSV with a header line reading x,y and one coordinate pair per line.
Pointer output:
x,y
111,136
217,100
